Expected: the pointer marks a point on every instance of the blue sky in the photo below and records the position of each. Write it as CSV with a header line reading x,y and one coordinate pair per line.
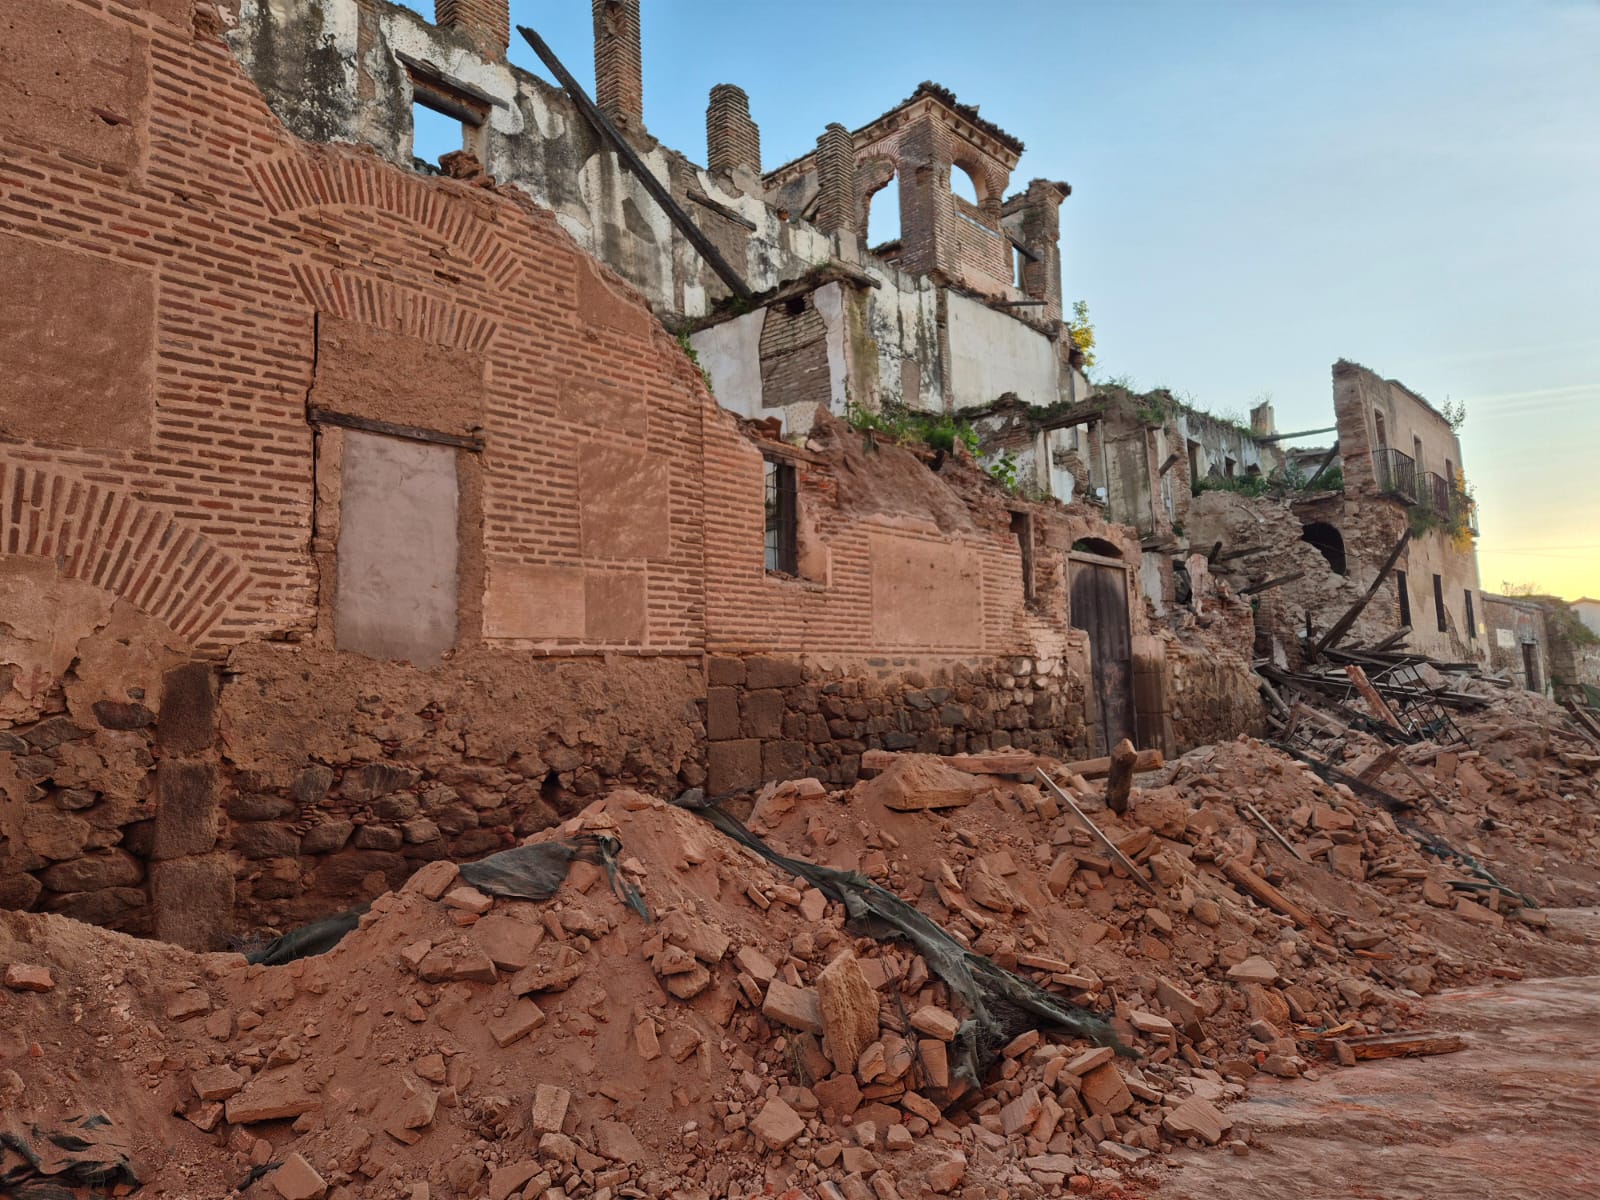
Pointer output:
x,y
1259,188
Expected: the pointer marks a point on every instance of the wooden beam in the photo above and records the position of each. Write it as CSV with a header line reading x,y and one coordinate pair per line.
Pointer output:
x,y
1172,461
1266,585
631,160
1098,768
1243,877
1400,1045
1273,830
1325,464
1018,765
1375,701
1342,625
1119,779
412,433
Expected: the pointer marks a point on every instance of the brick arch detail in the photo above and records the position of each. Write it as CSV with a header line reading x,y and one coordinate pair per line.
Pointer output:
x,y
296,182
117,541
397,308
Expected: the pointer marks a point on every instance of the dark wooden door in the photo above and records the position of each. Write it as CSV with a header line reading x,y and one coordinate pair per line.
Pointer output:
x,y
1530,664
1100,608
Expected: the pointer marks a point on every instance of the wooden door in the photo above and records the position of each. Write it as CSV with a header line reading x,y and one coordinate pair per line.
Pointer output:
x,y
1100,607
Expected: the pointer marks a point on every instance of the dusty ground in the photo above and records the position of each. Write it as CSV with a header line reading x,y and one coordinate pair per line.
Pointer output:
x,y
1516,1116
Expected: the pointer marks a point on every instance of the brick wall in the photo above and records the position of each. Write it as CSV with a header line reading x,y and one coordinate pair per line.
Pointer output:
x,y
619,62
733,143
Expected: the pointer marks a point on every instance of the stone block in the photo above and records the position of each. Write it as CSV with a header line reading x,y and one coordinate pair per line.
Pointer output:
x,y
107,869
765,671
798,1008
777,1124
725,672
849,1010
193,901
186,809
734,766
263,840
783,760
762,713
188,721
722,713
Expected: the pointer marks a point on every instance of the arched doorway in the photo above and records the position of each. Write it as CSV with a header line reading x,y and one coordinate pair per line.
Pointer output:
x,y
1328,541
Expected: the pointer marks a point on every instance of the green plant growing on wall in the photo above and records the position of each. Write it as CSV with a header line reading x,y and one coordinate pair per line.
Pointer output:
x,y
1455,524
1454,414
902,427
1003,471
1082,332
1254,486
693,356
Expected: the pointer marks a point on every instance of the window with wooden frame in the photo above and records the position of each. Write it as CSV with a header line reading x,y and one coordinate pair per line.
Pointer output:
x,y
783,518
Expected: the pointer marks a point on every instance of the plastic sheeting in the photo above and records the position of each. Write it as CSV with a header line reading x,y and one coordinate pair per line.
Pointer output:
x,y
533,872
50,1163
1003,1005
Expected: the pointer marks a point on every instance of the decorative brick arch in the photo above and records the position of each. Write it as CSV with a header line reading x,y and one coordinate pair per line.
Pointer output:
x,y
116,541
294,183
394,307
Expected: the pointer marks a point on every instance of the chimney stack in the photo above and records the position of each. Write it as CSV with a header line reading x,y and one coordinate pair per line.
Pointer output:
x,y
619,63
836,180
733,142
486,22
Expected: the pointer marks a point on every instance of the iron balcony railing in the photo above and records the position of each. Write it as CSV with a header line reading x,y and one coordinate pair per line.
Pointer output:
x,y
1398,476
1397,473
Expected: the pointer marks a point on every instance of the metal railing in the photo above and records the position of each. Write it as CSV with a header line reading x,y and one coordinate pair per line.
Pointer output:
x,y
1397,473
1398,476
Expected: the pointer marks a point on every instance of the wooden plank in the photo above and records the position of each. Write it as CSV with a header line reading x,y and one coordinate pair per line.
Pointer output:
x,y
631,160
411,433
1243,877
1343,624
1099,768
1380,706
1172,461
1267,585
1403,1045
1111,847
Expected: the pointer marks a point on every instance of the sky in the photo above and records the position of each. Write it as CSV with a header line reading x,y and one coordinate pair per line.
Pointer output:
x,y
1260,187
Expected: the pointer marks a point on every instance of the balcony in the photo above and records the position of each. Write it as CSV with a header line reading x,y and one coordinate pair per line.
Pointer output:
x,y
1398,476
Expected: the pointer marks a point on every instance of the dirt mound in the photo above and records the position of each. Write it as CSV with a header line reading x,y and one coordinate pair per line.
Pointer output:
x,y
455,1045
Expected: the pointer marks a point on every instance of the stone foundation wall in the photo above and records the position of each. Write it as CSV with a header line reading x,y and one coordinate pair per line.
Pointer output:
x,y
779,718
1214,697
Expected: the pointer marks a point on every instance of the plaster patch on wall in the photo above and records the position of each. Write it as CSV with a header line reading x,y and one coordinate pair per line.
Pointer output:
x,y
625,499
398,548
77,336
925,593
533,603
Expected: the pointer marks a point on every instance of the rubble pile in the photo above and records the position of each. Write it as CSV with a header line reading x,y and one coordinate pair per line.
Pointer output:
x,y
743,1039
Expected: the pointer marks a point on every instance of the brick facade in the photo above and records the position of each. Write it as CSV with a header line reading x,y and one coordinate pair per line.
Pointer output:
x,y
224,311
733,143
619,62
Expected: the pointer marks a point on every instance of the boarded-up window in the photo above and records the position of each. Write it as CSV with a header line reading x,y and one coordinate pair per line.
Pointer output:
x,y
397,553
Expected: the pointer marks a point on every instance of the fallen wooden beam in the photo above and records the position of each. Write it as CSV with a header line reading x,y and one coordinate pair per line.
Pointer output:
x,y
1375,701
1111,847
1098,768
1172,461
1268,584
1400,1045
1243,877
1333,453
1343,624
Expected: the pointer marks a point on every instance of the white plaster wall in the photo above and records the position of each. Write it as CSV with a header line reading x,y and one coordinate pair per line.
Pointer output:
x,y
731,354
991,354
903,322
829,300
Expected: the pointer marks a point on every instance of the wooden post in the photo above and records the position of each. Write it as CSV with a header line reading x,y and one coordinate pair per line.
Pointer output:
x,y
1342,625
1119,780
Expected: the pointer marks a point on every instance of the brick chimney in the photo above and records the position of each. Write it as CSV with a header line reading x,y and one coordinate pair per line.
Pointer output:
x,y
733,142
836,180
619,62
486,22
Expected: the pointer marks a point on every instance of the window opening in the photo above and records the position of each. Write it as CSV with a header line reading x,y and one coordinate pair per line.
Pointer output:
x,y
1022,529
1405,597
883,215
1328,541
434,133
1472,619
783,519
962,184
1416,453
1438,603
1383,437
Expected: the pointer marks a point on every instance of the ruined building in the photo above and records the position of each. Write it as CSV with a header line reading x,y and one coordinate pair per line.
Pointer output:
x,y
358,513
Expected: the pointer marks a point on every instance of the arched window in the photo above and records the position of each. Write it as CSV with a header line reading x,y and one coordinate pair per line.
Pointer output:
x,y
883,213
963,184
1094,545
1328,541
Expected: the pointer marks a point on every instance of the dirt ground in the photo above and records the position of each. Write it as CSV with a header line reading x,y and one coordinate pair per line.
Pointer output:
x,y
1515,1116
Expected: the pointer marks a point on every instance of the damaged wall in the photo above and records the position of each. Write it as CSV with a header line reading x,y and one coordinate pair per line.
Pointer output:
x,y
202,717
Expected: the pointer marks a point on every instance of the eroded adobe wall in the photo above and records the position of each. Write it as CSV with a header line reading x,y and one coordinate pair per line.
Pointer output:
x,y
205,300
